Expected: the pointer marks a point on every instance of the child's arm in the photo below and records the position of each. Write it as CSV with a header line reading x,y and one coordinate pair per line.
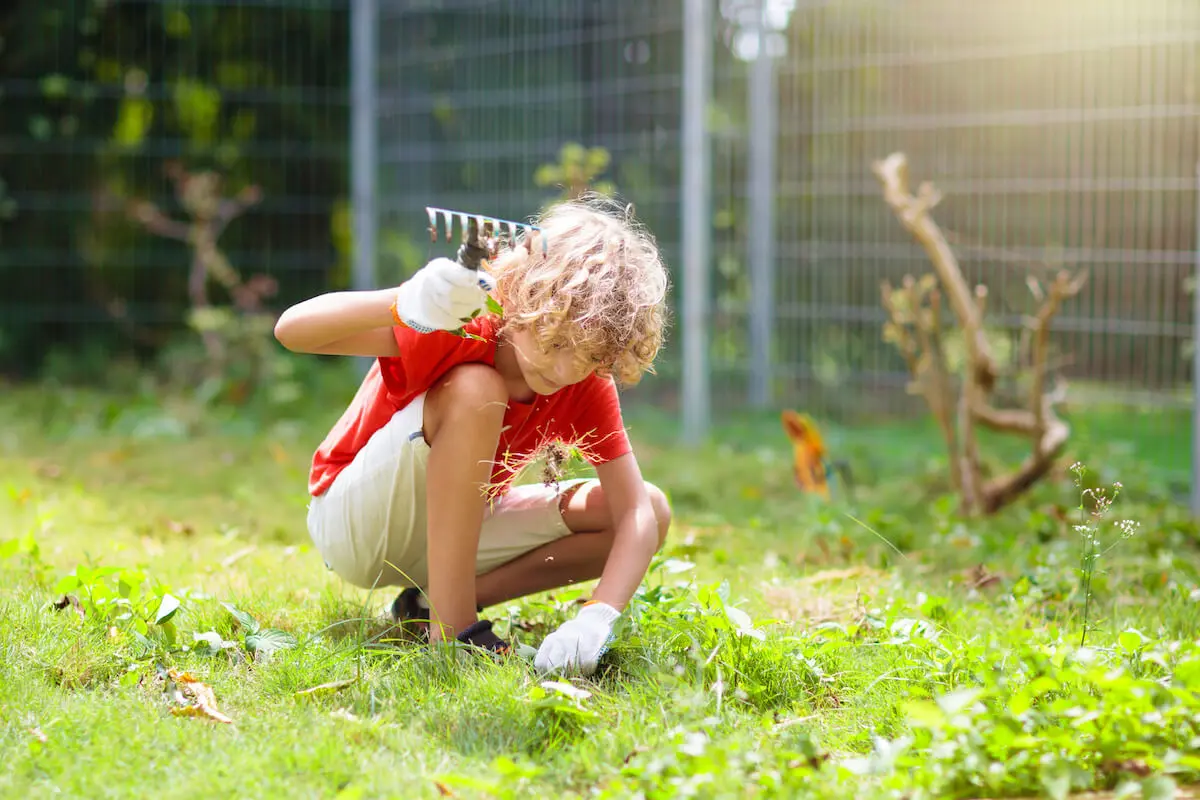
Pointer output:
x,y
636,529
441,296
341,323
578,643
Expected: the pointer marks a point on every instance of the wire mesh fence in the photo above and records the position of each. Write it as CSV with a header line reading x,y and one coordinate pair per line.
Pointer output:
x,y
1062,134
499,108
101,102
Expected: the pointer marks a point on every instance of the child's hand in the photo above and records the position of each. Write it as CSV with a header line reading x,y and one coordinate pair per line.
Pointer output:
x,y
578,643
442,296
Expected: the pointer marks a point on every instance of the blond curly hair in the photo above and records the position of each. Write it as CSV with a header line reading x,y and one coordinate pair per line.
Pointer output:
x,y
591,280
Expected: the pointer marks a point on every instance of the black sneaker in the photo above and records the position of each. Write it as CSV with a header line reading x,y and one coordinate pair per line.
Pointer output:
x,y
480,634
410,610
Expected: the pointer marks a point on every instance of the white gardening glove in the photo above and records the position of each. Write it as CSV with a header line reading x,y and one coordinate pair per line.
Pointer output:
x,y
578,643
442,296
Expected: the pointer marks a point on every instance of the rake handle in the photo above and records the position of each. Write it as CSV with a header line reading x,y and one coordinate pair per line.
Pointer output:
x,y
471,254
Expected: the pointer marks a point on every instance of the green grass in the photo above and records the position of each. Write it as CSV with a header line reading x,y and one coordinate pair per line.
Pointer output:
x,y
781,646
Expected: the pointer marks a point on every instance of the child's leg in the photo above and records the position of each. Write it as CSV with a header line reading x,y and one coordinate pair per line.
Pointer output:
x,y
585,537
463,416
369,527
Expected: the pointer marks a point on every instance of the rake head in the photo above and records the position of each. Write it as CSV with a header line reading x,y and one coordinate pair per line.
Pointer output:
x,y
480,234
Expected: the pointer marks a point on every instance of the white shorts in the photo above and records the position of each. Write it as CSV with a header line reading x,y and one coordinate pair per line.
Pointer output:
x,y
369,526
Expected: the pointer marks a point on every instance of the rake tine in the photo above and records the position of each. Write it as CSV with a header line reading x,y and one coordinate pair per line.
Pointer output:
x,y
485,226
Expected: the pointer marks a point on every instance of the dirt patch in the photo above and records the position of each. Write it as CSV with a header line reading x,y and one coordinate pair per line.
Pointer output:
x,y
832,595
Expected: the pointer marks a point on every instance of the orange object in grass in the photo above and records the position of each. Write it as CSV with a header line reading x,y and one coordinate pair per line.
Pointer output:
x,y
808,452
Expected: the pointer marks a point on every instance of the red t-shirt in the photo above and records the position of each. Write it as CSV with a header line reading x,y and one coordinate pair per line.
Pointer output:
x,y
587,413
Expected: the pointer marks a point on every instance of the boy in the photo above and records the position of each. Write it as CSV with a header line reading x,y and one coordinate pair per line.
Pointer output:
x,y
412,486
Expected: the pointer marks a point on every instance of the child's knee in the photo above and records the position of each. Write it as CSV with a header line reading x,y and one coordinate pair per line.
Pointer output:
x,y
662,511
470,394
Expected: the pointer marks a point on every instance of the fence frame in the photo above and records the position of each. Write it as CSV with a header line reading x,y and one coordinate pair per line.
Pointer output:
x,y
766,250
695,207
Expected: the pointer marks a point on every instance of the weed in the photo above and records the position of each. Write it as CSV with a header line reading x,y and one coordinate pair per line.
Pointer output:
x,y
123,598
1095,503
260,642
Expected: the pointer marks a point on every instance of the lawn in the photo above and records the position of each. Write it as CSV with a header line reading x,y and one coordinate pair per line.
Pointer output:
x,y
874,646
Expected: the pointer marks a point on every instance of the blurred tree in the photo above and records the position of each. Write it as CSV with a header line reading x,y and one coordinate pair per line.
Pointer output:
x,y
576,171
99,96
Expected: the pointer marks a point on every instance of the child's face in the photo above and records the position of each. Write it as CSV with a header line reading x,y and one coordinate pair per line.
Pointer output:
x,y
547,371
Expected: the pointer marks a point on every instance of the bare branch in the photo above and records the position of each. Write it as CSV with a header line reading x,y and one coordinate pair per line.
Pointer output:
x,y
915,327
968,466
1002,490
912,212
158,223
230,209
916,332
1062,288
1035,288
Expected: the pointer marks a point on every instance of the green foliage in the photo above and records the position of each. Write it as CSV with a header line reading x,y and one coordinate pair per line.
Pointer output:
x,y
25,551
124,598
559,708
252,364
1055,719
116,89
576,171
260,642
718,646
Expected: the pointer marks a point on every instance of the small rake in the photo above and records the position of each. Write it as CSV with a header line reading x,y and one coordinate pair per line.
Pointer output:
x,y
479,242
479,239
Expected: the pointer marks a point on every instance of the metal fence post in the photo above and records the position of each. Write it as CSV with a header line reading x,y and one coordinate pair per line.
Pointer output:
x,y
761,194
364,159
696,231
1196,360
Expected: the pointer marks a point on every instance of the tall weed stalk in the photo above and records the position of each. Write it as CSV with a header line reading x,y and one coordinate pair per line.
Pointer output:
x,y
1095,505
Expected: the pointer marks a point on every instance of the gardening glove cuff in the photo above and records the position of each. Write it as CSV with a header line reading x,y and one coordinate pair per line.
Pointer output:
x,y
579,643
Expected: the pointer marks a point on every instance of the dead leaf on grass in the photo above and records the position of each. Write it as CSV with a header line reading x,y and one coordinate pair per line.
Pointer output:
x,y
72,601
980,577
444,790
194,698
635,752
36,733
326,688
48,471
826,553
